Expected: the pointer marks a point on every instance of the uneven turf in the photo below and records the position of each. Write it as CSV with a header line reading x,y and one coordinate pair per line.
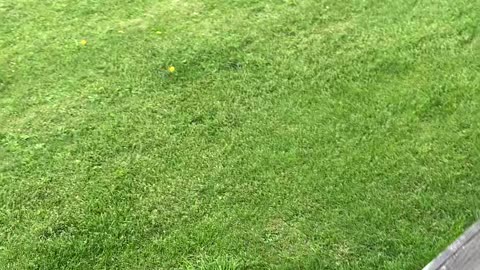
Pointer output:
x,y
292,135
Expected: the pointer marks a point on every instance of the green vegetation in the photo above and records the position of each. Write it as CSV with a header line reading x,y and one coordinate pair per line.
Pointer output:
x,y
293,134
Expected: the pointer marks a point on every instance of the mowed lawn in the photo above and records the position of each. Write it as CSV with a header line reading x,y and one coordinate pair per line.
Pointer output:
x,y
293,134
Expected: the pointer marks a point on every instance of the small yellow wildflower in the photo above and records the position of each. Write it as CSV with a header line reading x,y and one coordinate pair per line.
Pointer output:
x,y
83,42
158,32
121,31
171,69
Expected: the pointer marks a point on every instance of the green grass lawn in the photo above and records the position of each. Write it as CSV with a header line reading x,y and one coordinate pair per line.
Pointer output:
x,y
293,134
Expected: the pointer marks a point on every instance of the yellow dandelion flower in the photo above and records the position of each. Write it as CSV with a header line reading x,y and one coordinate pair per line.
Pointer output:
x,y
171,69
83,42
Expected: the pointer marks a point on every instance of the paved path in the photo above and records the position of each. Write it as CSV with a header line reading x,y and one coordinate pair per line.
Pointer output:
x,y
463,254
